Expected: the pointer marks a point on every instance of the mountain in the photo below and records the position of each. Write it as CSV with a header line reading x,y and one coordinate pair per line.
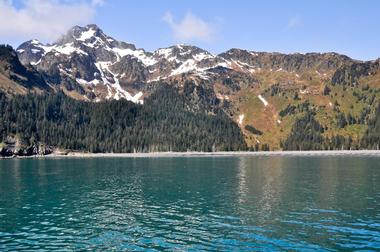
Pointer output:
x,y
97,67
269,95
16,78
37,124
87,63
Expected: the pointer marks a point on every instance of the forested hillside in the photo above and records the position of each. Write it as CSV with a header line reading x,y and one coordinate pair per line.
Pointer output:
x,y
163,123
371,139
90,92
308,134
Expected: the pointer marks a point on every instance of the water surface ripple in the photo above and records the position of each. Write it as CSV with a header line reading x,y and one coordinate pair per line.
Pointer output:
x,y
191,203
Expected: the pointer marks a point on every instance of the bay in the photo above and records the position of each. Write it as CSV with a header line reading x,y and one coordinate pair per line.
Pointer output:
x,y
263,203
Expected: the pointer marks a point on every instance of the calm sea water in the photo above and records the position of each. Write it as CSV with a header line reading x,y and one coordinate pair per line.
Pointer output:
x,y
191,203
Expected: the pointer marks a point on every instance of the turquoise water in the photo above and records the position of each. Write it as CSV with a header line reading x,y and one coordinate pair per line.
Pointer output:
x,y
190,203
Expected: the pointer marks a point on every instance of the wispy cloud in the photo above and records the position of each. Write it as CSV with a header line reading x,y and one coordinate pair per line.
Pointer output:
x,y
293,23
44,19
190,28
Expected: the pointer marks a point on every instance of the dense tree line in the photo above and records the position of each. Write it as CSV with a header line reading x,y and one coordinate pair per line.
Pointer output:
x,y
253,130
293,109
275,89
326,90
371,139
307,134
163,123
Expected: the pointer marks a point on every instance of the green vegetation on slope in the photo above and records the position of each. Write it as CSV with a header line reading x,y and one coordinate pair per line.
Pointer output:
x,y
163,123
371,138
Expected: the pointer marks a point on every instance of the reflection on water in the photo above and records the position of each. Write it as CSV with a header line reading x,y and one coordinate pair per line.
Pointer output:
x,y
200,203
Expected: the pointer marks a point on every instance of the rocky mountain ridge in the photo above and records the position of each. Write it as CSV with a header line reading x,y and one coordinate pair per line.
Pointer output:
x,y
265,94
88,64
87,60
16,78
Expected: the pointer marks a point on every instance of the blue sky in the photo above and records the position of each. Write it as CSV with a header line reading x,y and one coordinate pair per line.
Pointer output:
x,y
347,27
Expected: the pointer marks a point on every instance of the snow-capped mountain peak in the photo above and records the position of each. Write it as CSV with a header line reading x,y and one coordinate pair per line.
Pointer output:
x,y
87,59
180,53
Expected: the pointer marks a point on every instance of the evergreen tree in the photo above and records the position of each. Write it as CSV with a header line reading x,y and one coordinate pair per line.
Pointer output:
x,y
164,123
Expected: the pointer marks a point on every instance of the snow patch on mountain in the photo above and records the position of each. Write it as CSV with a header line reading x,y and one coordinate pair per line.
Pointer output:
x,y
66,49
84,82
221,64
33,63
187,66
139,54
191,66
87,35
36,50
165,52
35,42
103,67
242,65
202,56
115,61
241,118
262,99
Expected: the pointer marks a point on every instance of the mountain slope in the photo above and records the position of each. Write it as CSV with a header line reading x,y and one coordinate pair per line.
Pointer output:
x,y
99,67
266,94
15,78
165,123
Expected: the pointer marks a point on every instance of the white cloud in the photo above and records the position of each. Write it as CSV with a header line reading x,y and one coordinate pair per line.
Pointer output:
x,y
294,22
44,19
98,2
190,28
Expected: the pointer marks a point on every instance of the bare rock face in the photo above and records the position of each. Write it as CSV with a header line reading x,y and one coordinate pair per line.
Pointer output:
x,y
13,146
16,77
83,59
350,74
98,67
289,62
88,64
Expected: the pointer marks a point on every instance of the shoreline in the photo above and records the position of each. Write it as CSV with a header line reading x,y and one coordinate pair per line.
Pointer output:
x,y
375,153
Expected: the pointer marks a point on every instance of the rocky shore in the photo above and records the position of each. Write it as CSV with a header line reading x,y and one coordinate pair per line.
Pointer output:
x,y
13,147
54,153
